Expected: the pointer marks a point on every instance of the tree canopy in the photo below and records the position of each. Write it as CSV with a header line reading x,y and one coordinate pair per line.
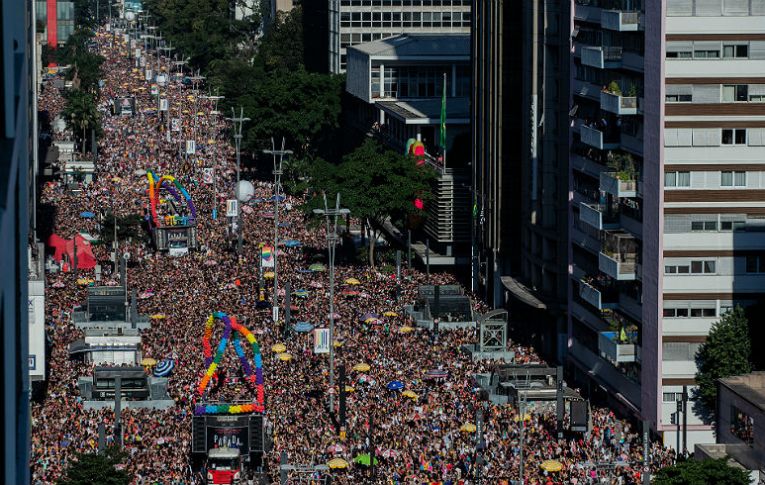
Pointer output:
x,y
90,468
81,114
375,183
706,472
726,352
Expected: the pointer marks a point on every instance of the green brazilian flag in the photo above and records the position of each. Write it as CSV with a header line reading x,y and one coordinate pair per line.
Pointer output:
x,y
443,116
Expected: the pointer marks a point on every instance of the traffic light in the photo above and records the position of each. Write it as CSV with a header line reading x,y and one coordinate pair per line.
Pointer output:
x,y
673,418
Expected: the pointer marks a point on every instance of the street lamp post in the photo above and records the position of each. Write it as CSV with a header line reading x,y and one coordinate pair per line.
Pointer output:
x,y
277,193
238,122
331,216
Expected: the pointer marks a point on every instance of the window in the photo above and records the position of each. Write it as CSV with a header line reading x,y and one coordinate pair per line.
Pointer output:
x,y
699,226
755,263
733,179
736,51
676,269
702,267
678,98
735,93
732,225
735,136
741,425
677,179
706,54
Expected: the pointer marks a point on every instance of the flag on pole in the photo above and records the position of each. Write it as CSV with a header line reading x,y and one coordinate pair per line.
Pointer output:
x,y
443,117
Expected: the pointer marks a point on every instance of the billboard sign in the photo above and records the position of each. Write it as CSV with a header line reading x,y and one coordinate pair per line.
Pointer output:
x,y
321,341
267,256
36,309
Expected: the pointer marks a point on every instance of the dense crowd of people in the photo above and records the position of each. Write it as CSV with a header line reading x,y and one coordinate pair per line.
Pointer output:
x,y
417,440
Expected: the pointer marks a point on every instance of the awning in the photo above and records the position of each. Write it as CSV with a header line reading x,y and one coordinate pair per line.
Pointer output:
x,y
521,292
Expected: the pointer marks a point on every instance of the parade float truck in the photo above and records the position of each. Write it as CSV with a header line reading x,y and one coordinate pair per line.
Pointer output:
x,y
224,467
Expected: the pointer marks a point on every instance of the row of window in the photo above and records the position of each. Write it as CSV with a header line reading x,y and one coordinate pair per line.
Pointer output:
x,y
690,313
679,224
694,267
683,179
404,19
405,3
715,8
676,351
709,137
715,50
419,82
755,263
710,93
675,396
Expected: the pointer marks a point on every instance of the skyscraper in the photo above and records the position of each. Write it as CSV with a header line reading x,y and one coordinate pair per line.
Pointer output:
x,y
519,132
16,143
666,216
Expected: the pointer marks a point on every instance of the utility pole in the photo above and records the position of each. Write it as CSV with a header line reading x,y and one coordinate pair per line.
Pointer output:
x,y
331,216
522,410
685,421
277,193
427,259
238,122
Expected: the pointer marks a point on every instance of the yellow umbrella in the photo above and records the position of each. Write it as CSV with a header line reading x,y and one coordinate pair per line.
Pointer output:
x,y
269,275
468,428
526,417
284,357
338,343
200,113
211,142
352,281
278,348
158,316
190,97
337,464
362,367
116,179
390,314
148,362
551,466
405,329
349,389
409,394
84,281
185,111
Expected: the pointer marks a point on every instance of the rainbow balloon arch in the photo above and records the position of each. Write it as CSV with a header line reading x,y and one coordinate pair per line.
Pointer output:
x,y
172,185
234,331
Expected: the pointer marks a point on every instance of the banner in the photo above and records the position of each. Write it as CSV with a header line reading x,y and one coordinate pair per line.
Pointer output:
x,y
163,105
138,53
124,106
36,310
191,147
154,90
321,341
267,256
149,74
175,124
232,208
161,79
208,175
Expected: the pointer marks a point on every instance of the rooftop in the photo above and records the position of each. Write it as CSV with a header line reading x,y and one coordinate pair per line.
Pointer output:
x,y
428,111
750,387
446,46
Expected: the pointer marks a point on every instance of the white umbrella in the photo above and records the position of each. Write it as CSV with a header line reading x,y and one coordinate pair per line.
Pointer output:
x,y
140,172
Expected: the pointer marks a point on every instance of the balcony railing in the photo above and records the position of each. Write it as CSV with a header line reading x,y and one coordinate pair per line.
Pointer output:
x,y
601,56
600,298
615,184
616,349
615,103
599,216
619,266
620,21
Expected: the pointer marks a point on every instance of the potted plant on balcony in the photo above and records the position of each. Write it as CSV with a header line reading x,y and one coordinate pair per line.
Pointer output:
x,y
623,166
614,88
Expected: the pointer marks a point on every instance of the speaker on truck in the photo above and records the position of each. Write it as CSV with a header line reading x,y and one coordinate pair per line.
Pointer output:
x,y
578,415
256,434
198,435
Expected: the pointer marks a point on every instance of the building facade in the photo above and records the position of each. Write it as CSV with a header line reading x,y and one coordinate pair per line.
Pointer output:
x,y
354,22
57,19
396,86
520,64
16,146
666,167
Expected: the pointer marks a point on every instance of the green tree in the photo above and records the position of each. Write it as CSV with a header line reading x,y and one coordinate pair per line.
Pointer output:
x,y
375,183
81,115
726,352
282,46
706,472
92,468
127,227
301,106
85,65
203,30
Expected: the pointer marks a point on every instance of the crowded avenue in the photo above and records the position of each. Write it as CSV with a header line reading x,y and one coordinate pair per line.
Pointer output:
x,y
421,430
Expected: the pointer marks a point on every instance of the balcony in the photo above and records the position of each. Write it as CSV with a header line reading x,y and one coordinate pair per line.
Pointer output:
x,y
618,184
620,21
618,258
599,216
619,347
618,104
602,57
598,295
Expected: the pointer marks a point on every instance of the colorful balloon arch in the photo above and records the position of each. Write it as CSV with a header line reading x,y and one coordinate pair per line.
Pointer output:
x,y
167,181
231,326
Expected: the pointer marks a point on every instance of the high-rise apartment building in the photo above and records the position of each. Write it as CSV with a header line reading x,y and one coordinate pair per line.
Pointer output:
x,y
357,21
667,181
16,177
520,58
